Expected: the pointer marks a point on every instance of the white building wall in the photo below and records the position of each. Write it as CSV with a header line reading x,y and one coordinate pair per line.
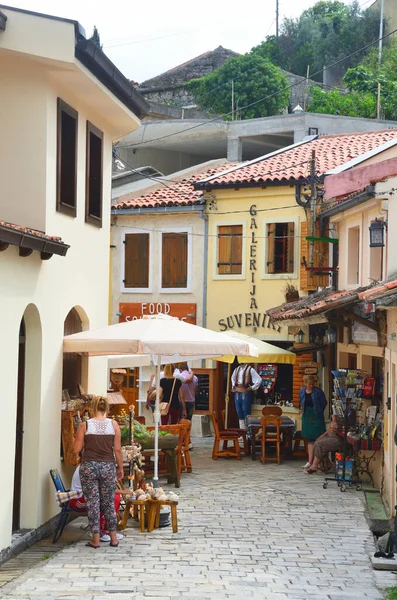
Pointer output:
x,y
49,288
155,224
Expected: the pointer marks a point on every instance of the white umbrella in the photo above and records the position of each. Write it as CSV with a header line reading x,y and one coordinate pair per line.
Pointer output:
x,y
166,339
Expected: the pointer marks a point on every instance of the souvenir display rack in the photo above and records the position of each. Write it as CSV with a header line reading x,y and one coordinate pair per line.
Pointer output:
x,y
269,377
346,402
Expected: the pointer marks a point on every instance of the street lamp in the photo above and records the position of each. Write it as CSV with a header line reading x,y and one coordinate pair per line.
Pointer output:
x,y
300,336
377,234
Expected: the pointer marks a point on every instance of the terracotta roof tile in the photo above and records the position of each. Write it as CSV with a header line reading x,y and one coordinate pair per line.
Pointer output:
x,y
316,305
293,164
30,231
180,193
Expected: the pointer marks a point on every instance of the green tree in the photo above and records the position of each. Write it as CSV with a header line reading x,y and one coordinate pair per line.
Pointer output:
x,y
365,78
323,34
96,38
254,77
351,104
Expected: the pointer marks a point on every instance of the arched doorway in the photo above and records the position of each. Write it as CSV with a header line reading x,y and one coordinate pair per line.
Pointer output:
x,y
16,510
72,363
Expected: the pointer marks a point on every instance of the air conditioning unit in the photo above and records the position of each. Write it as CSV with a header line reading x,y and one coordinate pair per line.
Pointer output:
x,y
201,426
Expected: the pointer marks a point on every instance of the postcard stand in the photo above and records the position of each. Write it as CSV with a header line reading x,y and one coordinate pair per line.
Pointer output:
x,y
347,393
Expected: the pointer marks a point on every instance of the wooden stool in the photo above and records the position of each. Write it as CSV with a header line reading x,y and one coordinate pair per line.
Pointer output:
x,y
139,510
297,450
153,520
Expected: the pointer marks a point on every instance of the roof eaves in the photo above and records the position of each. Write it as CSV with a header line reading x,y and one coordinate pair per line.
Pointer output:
x,y
363,157
3,21
173,208
202,183
252,183
22,239
92,57
368,194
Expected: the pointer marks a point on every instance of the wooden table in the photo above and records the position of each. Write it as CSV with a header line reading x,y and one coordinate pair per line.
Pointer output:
x,y
254,426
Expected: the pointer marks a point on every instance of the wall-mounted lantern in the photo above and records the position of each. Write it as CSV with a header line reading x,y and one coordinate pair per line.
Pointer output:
x,y
377,234
300,336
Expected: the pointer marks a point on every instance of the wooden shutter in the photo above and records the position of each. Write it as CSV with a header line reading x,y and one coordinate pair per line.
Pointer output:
x,y
136,261
174,260
230,249
271,238
290,247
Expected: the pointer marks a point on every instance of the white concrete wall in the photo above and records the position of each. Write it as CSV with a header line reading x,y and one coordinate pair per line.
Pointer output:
x,y
361,216
155,223
50,289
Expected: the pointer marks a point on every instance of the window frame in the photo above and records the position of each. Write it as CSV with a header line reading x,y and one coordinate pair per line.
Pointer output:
x,y
61,207
131,290
214,233
188,288
276,220
89,218
356,224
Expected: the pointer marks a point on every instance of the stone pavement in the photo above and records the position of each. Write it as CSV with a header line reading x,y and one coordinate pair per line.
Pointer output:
x,y
246,531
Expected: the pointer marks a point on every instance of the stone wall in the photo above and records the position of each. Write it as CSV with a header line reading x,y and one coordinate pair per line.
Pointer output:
x,y
169,88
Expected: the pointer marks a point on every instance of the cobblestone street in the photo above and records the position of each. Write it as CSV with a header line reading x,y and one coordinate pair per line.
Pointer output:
x,y
245,531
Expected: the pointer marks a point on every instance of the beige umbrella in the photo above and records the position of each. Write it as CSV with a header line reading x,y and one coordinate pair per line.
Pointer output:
x,y
266,353
165,339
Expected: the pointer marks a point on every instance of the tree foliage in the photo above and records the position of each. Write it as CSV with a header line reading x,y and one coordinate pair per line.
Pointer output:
x,y
323,34
96,38
352,104
365,77
362,84
254,77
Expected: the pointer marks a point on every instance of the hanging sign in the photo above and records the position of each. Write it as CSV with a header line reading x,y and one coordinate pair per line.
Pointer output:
x,y
130,311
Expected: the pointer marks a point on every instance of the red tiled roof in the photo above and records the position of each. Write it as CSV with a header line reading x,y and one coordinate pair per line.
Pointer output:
x,y
313,308
180,193
293,164
313,305
30,231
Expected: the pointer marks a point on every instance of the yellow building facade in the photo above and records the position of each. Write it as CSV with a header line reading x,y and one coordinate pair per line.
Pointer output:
x,y
238,297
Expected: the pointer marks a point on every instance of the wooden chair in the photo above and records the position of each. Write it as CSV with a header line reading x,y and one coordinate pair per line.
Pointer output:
x,y
297,450
272,410
186,464
241,433
273,436
65,509
141,420
225,437
182,431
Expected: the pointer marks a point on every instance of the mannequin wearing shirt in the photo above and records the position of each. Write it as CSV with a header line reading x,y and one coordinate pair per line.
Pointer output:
x,y
245,380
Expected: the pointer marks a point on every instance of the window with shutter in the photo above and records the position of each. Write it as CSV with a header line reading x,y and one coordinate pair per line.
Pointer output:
x,y
230,249
67,124
93,201
280,248
174,260
136,260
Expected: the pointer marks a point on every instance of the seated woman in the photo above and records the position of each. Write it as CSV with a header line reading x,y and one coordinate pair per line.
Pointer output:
x,y
330,441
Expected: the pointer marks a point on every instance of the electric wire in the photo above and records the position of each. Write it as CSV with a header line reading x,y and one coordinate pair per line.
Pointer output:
x,y
255,102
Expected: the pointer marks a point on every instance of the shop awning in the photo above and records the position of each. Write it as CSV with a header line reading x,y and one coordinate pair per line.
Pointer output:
x,y
316,307
266,352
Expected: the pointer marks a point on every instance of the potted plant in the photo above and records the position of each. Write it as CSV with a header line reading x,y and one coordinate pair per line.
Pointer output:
x,y
291,292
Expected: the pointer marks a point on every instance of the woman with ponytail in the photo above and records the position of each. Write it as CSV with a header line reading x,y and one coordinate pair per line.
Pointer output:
x,y
99,440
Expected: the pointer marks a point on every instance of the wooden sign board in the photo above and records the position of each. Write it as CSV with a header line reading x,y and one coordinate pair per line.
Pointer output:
x,y
130,311
310,370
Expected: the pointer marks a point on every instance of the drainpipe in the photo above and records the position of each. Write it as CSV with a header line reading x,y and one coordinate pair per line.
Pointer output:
x,y
204,216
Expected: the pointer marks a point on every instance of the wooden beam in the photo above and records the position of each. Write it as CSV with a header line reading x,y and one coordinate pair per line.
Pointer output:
x,y
362,321
45,255
25,251
3,246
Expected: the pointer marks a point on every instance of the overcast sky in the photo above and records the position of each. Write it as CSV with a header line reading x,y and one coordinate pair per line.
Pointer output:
x,y
146,39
